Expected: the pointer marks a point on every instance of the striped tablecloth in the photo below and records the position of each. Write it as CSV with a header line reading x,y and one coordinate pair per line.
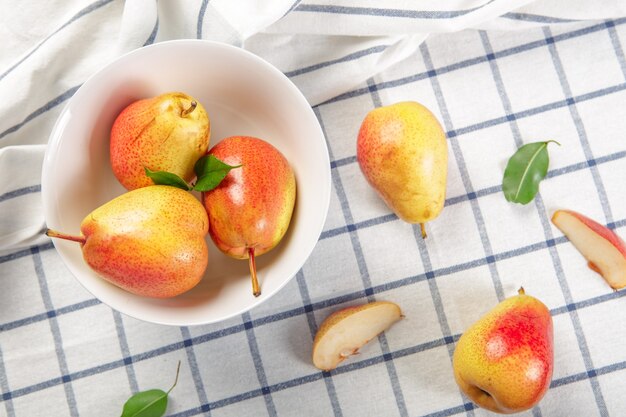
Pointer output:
x,y
497,73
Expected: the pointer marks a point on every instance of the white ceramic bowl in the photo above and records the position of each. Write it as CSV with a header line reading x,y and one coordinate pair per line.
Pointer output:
x,y
243,95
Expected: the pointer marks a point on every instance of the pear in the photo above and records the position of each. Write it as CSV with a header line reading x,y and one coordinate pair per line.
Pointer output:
x,y
504,361
250,210
169,133
149,241
604,250
345,331
402,152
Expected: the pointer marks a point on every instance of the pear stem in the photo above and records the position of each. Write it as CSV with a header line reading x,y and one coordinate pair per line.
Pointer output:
x,y
191,108
175,380
54,233
521,291
256,291
423,229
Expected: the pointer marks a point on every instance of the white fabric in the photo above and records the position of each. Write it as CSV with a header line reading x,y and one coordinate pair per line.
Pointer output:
x,y
346,57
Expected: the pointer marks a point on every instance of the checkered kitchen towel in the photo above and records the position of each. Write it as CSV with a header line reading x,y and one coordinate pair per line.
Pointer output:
x,y
497,73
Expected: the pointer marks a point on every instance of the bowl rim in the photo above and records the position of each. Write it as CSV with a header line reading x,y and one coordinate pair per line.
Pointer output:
x,y
54,142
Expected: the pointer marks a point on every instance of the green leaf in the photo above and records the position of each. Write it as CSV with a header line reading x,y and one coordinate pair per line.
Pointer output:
x,y
167,178
151,403
524,171
210,172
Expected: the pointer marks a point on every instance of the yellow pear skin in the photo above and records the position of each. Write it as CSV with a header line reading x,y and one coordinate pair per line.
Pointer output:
x,y
403,154
504,361
149,241
169,132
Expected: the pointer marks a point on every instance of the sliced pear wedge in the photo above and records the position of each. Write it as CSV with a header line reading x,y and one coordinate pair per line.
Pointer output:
x,y
604,251
344,332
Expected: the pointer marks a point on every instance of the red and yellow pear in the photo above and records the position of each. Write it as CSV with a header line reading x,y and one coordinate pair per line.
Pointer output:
x,y
402,152
250,210
169,132
604,250
504,361
149,241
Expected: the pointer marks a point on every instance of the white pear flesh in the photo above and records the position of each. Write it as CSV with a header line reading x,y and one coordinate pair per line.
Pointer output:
x,y
601,247
344,332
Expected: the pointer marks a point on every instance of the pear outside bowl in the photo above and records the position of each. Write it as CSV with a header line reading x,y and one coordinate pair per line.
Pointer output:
x,y
243,95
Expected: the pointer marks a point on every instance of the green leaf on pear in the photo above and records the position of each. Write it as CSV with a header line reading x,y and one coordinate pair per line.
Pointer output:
x,y
150,403
210,172
524,171
167,178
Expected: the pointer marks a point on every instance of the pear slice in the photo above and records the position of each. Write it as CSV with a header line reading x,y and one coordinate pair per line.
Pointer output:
x,y
604,251
344,332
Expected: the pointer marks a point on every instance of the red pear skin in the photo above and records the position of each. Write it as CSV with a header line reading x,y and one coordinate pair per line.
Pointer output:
x,y
164,133
603,249
504,361
252,207
601,230
150,241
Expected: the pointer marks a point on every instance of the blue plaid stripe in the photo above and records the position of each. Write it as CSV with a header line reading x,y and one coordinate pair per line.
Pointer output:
x,y
24,252
536,411
4,385
56,334
293,7
372,11
582,134
593,373
328,381
538,110
580,336
452,411
48,314
258,364
195,370
617,46
20,192
526,17
43,109
121,335
154,32
350,57
430,277
201,14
